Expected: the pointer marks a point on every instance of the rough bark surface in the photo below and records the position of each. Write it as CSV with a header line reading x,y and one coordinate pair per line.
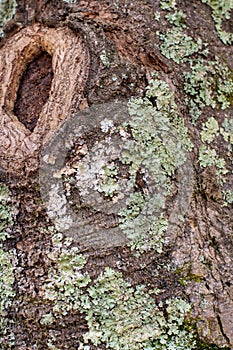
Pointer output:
x,y
79,55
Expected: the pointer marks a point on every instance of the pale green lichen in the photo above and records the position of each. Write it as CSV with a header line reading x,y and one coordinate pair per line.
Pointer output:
x,y
157,15
177,18
109,183
144,229
151,145
179,46
168,4
127,318
6,291
158,146
117,314
6,268
7,11
209,130
6,220
221,10
228,196
65,279
209,83
209,157
227,130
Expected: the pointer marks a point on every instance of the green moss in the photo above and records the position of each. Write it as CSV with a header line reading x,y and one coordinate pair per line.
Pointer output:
x,y
186,276
7,11
221,10
179,46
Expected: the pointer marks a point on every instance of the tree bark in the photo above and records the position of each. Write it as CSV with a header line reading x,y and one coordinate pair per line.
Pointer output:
x,y
67,171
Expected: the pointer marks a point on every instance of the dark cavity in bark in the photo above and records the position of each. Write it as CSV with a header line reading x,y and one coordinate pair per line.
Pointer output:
x,y
33,92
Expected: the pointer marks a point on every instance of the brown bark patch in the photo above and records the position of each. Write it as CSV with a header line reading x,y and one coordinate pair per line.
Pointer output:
x,y
34,90
19,147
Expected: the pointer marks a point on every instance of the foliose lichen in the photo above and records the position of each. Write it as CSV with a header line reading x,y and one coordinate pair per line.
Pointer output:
x,y
168,4
124,317
208,157
221,10
177,18
208,83
158,146
209,130
117,314
6,219
179,46
7,292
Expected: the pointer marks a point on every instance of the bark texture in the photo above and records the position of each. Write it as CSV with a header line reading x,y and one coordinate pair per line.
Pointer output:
x,y
75,56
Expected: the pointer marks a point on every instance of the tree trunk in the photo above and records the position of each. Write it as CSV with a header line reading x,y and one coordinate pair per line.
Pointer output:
x,y
116,174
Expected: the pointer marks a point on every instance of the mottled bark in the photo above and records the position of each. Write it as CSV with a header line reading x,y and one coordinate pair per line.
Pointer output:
x,y
105,53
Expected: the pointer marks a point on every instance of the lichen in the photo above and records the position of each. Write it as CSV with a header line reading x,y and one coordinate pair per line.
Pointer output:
x,y
209,130
227,130
158,146
7,292
177,18
124,317
208,83
65,279
6,219
209,157
179,46
104,59
221,10
168,4
7,11
117,314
